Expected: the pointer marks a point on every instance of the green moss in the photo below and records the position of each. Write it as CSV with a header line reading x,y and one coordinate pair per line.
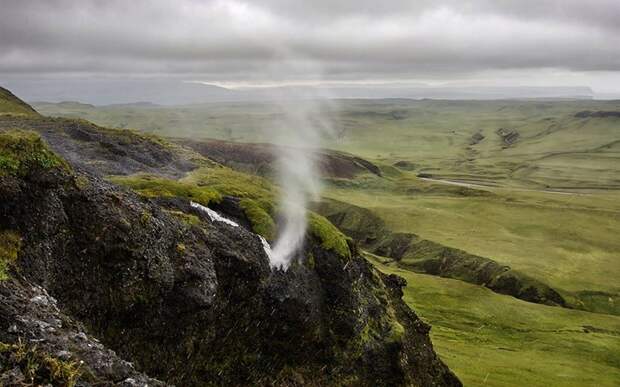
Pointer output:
x,y
39,368
189,219
256,193
310,262
262,222
331,238
21,151
155,186
10,244
145,218
232,183
81,182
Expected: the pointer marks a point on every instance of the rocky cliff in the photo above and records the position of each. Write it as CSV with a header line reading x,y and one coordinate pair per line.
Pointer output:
x,y
101,286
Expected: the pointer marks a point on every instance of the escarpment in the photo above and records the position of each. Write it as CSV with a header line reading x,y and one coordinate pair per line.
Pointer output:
x,y
114,288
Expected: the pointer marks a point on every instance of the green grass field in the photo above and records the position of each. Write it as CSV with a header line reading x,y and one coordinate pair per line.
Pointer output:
x,y
551,209
493,340
568,241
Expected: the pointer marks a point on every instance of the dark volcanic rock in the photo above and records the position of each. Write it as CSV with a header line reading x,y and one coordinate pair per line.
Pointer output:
x,y
406,165
195,304
509,136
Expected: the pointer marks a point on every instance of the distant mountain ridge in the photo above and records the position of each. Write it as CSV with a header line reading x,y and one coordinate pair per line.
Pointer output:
x,y
178,92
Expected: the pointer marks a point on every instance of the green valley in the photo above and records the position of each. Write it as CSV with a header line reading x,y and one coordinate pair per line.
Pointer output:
x,y
531,185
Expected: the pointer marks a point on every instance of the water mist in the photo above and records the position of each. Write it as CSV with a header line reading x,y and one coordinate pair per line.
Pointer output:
x,y
298,130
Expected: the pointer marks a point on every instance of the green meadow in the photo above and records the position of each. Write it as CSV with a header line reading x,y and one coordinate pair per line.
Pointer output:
x,y
494,340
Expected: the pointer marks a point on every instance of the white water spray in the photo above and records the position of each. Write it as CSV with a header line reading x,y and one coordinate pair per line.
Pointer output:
x,y
298,129
213,215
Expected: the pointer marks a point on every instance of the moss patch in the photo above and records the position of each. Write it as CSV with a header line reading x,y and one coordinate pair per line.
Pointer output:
x,y
331,238
21,151
256,193
156,186
232,183
189,219
262,222
10,244
38,368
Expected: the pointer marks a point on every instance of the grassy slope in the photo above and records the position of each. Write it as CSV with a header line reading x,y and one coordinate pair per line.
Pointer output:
x,y
494,340
10,104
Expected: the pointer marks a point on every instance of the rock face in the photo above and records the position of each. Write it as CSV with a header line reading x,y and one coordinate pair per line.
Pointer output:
x,y
190,303
509,136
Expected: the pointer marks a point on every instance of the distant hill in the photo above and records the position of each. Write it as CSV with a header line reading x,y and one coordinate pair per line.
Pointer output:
x,y
109,92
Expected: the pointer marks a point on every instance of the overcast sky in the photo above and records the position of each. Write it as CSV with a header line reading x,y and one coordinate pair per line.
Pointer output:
x,y
481,42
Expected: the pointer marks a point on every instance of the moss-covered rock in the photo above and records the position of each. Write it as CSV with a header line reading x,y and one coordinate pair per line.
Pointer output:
x,y
261,220
26,365
20,152
330,237
211,311
156,186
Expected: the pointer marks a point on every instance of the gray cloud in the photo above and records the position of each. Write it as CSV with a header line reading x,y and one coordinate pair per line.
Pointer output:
x,y
348,39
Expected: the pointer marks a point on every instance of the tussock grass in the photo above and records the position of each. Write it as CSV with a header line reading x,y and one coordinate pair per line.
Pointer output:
x,y
38,367
10,244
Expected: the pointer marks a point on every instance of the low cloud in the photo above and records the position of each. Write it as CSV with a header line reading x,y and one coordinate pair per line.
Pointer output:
x,y
350,40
